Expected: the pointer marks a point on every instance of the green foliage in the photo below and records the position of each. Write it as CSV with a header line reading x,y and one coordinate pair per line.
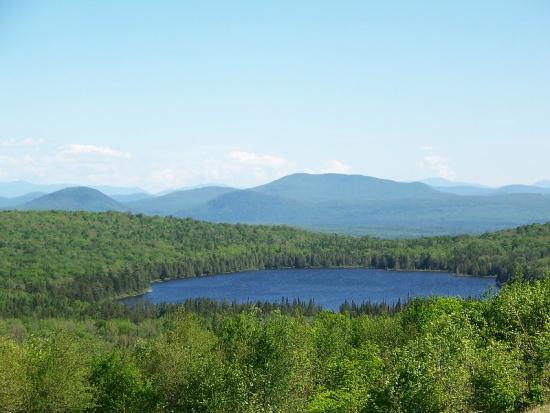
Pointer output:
x,y
14,383
119,384
438,355
58,367
186,367
499,380
432,372
330,401
435,355
59,263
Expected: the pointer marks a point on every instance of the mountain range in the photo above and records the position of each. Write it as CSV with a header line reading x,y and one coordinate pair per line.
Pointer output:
x,y
352,204
19,200
508,189
463,188
174,203
19,188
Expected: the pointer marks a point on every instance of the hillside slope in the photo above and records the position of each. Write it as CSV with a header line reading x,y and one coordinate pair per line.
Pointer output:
x,y
446,215
74,199
138,196
6,203
345,189
175,202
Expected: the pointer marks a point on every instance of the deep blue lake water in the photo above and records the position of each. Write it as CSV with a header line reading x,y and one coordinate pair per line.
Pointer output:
x,y
328,287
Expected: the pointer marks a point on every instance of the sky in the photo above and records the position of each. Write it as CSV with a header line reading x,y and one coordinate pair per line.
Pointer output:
x,y
168,94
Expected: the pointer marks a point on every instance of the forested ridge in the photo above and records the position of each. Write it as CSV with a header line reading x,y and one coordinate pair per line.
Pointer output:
x,y
56,262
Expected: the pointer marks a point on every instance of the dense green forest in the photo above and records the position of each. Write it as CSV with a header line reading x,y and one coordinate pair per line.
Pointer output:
x,y
67,346
436,355
61,263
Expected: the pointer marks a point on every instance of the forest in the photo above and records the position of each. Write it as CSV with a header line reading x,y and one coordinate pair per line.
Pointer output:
x,y
67,344
435,355
63,263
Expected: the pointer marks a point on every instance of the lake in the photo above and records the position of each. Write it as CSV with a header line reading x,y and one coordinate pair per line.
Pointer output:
x,y
329,287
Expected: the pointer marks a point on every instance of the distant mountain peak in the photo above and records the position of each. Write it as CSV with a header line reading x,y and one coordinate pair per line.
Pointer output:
x,y
343,188
76,198
19,188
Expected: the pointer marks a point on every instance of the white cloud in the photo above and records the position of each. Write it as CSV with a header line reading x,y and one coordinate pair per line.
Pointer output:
x,y
438,165
333,166
74,164
253,159
15,143
427,148
79,149
92,164
237,168
337,167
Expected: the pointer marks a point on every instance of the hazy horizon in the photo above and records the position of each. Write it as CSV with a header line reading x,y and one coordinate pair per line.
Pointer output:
x,y
431,181
172,94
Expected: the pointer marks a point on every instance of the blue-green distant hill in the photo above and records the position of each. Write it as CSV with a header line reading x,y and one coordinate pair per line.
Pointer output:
x,y
438,182
138,196
178,202
7,203
349,204
402,218
465,190
522,189
471,189
348,189
363,205
75,199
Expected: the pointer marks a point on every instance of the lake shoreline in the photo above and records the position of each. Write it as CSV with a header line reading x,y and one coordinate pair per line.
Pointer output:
x,y
158,281
312,287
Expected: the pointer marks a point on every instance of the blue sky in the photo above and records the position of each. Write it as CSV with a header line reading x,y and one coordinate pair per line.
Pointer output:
x,y
167,94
